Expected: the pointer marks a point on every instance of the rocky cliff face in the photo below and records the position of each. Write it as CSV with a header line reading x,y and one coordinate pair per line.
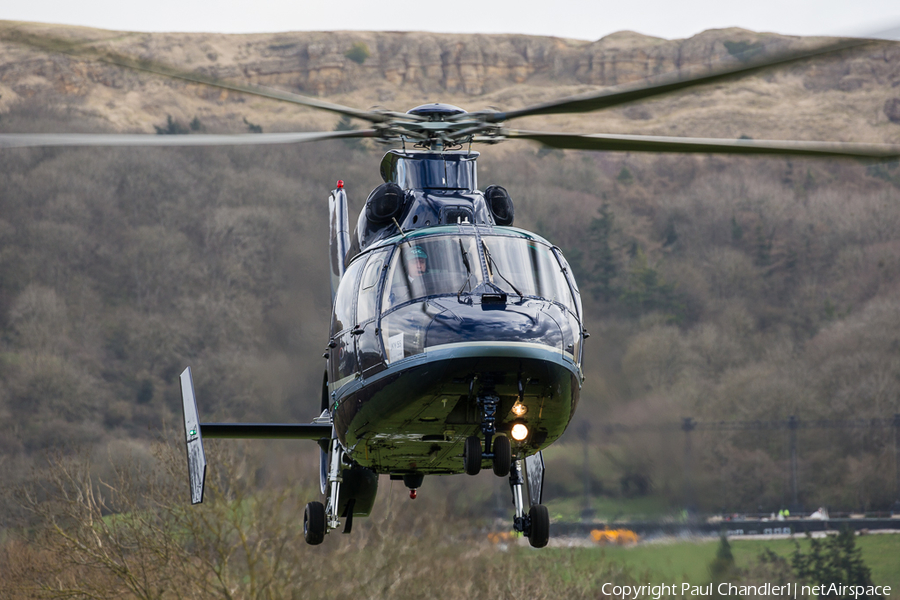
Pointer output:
x,y
478,64
318,63
321,63
400,68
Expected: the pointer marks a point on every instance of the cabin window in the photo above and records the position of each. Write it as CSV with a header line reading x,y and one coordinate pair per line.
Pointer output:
x,y
368,287
342,317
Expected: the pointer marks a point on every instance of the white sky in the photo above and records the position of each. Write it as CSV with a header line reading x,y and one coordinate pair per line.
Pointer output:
x,y
582,19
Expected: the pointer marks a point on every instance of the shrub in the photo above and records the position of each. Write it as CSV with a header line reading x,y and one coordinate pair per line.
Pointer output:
x,y
743,50
835,559
358,53
172,127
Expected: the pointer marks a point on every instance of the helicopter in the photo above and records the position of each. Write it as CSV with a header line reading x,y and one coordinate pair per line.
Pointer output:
x,y
456,339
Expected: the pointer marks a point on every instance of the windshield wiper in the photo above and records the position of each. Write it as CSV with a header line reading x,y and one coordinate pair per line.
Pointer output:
x,y
465,259
492,266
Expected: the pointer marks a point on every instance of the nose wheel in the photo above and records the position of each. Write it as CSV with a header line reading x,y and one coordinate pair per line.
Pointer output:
x,y
472,455
498,449
502,459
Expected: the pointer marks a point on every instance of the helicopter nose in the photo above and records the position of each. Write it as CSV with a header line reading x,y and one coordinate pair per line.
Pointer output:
x,y
533,321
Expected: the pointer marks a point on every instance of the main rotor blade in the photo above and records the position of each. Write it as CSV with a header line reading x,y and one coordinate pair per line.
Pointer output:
x,y
34,140
666,84
648,143
84,50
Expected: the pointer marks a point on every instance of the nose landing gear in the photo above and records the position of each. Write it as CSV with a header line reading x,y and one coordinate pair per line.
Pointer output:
x,y
498,450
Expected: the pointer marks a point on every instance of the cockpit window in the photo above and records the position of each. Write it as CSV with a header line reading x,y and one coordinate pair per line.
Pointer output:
x,y
432,266
526,268
438,171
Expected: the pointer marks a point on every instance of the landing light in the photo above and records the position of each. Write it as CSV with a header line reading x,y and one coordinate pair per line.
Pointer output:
x,y
519,432
519,409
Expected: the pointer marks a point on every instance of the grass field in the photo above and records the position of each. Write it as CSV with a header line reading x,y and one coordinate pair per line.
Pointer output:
x,y
688,561
612,509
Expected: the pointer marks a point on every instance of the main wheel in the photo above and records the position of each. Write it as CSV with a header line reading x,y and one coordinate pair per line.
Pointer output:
x,y
314,523
502,455
472,455
539,534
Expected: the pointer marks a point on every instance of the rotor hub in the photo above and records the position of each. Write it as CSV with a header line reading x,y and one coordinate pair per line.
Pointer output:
x,y
436,111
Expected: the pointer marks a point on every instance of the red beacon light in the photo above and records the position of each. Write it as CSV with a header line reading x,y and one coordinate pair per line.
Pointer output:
x,y
340,184
413,494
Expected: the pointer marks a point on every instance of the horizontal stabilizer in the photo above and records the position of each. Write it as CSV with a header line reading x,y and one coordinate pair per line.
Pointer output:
x,y
272,431
195,455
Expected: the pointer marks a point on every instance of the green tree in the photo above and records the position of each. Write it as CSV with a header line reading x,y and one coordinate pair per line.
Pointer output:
x,y
625,177
358,53
646,291
737,232
605,268
743,51
763,248
345,124
835,559
253,127
172,127
722,568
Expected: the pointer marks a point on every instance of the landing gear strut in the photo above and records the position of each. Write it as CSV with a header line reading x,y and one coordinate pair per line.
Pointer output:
x,y
498,450
319,519
536,524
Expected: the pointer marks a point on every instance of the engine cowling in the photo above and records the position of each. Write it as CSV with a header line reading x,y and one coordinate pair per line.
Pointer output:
x,y
500,204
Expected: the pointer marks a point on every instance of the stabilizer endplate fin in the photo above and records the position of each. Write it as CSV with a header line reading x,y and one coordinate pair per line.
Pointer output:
x,y
195,456
534,477
339,235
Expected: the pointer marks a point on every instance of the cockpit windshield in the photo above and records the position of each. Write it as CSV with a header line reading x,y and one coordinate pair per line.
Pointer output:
x,y
432,266
526,268
476,284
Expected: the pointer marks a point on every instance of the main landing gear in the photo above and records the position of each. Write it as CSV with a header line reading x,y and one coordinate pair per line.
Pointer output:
x,y
318,518
525,476
536,524
349,489
525,482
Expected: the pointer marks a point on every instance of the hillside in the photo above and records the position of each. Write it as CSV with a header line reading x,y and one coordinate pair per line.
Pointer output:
x,y
844,97
717,288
